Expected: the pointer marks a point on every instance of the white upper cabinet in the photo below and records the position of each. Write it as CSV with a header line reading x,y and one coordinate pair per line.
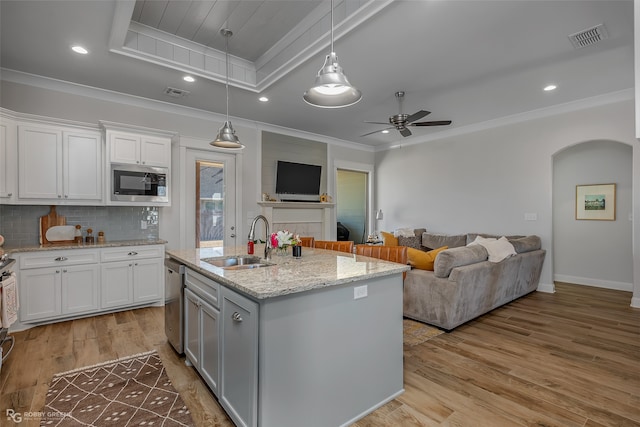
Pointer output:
x,y
82,165
138,149
8,160
59,165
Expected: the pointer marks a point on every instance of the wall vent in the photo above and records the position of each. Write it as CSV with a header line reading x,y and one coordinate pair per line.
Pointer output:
x,y
176,93
589,36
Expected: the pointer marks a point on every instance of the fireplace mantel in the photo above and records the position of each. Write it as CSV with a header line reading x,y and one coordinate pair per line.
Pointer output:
x,y
303,218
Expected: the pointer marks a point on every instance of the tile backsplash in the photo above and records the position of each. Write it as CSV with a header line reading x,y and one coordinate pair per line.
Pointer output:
x,y
19,223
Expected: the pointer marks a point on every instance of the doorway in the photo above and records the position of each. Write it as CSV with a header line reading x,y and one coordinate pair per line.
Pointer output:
x,y
210,199
351,203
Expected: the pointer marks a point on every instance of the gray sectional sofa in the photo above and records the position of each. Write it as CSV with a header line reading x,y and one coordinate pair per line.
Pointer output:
x,y
464,284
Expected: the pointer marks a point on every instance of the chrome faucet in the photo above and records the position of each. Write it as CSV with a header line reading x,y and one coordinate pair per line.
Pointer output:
x,y
267,240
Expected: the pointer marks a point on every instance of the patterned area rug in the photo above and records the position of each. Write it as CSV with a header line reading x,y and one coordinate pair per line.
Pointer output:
x,y
416,332
134,390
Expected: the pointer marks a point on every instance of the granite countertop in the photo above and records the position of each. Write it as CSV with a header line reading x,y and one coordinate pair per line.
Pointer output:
x,y
66,246
318,268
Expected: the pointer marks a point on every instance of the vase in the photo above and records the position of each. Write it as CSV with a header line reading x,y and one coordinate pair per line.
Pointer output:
x,y
281,250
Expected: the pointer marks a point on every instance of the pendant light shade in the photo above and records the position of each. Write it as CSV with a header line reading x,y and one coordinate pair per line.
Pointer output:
x,y
226,137
331,88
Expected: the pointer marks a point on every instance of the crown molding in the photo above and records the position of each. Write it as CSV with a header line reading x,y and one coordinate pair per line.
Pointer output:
x,y
580,104
165,107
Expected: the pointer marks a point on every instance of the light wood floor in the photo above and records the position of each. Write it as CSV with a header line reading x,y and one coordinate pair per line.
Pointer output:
x,y
566,359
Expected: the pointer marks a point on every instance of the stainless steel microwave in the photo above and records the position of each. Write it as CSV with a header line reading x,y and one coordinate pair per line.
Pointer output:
x,y
134,183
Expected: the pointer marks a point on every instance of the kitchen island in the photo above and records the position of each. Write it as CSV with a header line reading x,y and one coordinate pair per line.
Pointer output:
x,y
326,330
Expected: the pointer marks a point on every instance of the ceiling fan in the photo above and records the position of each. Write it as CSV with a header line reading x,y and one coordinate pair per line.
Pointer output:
x,y
402,121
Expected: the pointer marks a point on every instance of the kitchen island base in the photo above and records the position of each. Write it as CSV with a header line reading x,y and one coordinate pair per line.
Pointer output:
x,y
328,359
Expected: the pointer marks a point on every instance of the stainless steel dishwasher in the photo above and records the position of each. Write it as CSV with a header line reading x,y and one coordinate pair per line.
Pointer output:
x,y
173,303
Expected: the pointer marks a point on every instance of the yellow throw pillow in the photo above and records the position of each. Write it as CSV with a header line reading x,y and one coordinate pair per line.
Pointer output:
x,y
423,260
389,239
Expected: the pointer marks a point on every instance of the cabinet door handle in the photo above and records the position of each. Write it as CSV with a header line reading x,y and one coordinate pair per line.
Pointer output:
x,y
132,253
135,263
232,235
10,194
59,196
130,265
61,258
236,316
57,271
64,271
66,196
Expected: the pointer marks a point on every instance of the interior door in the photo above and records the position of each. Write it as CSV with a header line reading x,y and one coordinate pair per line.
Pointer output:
x,y
210,199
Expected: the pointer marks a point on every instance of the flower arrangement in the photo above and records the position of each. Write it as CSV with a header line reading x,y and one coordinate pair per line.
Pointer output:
x,y
282,239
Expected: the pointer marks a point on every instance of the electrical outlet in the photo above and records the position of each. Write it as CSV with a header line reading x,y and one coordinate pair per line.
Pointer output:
x,y
531,216
360,292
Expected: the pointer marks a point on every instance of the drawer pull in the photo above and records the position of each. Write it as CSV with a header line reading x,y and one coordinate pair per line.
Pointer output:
x,y
236,316
61,258
132,253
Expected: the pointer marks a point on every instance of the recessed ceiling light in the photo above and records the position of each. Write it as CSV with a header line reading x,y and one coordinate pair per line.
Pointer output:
x,y
79,49
549,88
385,131
263,99
188,79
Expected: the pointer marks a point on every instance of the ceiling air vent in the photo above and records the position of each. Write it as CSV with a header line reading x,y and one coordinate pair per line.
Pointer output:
x,y
589,36
176,93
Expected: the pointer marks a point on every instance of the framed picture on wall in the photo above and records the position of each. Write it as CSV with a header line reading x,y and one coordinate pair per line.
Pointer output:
x,y
596,202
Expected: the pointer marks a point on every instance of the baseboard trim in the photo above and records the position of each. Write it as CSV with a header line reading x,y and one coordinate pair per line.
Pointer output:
x,y
373,408
549,288
635,302
598,283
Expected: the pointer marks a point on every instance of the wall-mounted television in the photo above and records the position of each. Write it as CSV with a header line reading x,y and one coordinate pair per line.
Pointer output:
x,y
298,181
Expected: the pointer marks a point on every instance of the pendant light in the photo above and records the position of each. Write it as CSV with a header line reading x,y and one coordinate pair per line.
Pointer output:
x,y
332,89
226,134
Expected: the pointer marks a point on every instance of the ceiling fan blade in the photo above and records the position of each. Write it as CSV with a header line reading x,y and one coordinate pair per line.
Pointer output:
x,y
417,116
405,132
375,131
433,123
378,123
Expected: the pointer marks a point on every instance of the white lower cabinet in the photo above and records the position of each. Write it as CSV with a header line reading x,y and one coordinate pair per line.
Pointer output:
x,y
132,275
60,284
51,292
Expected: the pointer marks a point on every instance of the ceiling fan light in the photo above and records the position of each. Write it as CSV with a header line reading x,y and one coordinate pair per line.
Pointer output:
x,y
227,138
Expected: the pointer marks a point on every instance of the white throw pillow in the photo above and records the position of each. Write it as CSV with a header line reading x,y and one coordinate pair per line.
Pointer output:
x,y
480,240
499,249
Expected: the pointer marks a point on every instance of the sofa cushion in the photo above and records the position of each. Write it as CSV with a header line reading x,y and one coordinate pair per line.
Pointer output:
x,y
526,244
423,260
455,257
431,240
389,239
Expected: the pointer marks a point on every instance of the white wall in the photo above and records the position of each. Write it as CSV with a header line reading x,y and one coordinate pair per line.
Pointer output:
x,y
596,253
487,180
194,127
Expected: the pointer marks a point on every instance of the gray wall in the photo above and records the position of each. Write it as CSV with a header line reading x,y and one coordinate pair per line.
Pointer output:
x,y
291,149
593,252
485,181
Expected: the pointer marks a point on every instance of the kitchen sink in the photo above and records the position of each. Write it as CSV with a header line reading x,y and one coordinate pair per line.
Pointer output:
x,y
237,263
